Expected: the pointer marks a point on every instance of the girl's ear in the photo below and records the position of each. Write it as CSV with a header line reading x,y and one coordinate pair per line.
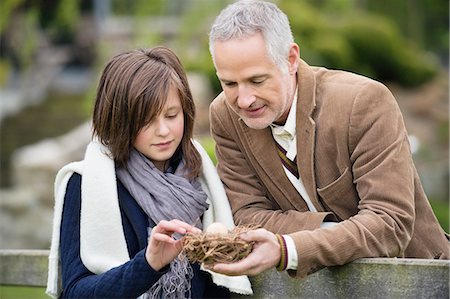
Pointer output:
x,y
293,58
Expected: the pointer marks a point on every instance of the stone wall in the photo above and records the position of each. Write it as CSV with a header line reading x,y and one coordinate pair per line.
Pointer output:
x,y
364,278
26,209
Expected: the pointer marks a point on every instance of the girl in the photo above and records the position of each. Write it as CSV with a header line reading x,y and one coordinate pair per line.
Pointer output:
x,y
143,179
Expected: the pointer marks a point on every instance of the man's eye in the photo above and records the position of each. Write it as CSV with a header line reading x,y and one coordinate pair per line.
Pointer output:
x,y
257,82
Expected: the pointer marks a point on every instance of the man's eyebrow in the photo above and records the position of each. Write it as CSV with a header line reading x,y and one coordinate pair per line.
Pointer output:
x,y
225,80
261,76
254,77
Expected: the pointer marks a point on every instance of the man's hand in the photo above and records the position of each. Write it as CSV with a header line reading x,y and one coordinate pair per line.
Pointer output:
x,y
162,248
266,254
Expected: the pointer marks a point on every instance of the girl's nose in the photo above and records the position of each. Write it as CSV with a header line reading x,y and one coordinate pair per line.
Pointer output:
x,y
162,128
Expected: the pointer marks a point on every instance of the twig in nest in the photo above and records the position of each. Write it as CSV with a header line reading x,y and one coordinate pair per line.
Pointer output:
x,y
210,248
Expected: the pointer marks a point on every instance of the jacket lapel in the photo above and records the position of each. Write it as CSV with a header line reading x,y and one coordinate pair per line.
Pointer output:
x,y
263,148
306,131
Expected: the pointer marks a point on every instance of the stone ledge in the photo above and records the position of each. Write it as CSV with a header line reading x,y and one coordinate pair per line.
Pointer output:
x,y
23,267
364,278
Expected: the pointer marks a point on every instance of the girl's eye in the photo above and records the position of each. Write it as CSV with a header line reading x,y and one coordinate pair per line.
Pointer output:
x,y
172,115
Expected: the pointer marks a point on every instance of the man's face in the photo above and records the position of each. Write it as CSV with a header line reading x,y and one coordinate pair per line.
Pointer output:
x,y
256,89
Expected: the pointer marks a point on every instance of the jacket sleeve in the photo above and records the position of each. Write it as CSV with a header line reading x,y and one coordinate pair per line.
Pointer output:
x,y
250,201
383,175
129,280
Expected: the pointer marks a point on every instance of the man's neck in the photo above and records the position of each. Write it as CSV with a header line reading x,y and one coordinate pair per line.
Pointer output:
x,y
293,97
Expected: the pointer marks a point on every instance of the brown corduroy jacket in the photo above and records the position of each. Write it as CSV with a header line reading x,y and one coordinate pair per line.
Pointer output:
x,y
354,159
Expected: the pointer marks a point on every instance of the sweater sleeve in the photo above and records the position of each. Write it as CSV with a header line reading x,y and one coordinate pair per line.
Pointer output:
x,y
129,280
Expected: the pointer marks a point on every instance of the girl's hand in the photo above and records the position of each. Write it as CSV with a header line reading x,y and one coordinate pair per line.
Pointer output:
x,y
162,248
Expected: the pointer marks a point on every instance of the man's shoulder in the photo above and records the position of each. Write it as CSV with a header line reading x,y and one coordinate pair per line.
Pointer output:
x,y
346,87
219,102
221,116
220,109
344,78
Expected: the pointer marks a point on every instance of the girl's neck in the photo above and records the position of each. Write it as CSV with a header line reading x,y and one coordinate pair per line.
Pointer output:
x,y
161,165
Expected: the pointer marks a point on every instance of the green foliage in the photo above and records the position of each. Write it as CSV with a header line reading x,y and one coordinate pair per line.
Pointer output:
x,y
443,132
192,42
442,212
30,42
202,63
22,38
5,68
209,145
339,36
11,292
333,50
379,47
65,20
6,12
423,21
34,122
139,7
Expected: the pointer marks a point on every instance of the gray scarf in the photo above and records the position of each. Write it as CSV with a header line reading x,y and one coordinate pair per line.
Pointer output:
x,y
165,196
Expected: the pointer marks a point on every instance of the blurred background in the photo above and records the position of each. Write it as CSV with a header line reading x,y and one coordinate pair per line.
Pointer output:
x,y
52,53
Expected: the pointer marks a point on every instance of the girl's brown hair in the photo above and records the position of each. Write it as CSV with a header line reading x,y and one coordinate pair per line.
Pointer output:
x,y
132,91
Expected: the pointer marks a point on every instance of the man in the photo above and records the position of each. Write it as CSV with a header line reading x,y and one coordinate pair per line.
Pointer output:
x,y
319,158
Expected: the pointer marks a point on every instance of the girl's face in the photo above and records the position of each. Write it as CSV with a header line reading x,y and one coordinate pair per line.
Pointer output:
x,y
159,140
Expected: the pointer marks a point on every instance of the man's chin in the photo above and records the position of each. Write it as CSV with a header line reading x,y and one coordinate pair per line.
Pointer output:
x,y
256,124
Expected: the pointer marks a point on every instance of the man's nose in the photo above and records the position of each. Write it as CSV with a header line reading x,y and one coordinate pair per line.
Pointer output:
x,y
245,97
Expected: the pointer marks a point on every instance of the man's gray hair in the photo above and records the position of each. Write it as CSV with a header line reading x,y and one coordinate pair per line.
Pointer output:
x,y
247,17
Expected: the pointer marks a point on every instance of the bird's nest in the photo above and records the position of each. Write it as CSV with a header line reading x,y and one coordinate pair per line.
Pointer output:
x,y
209,248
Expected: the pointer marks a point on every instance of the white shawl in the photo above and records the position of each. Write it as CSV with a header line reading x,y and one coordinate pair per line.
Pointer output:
x,y
102,243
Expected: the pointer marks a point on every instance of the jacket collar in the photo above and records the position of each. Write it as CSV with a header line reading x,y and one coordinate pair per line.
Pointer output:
x,y
306,130
263,145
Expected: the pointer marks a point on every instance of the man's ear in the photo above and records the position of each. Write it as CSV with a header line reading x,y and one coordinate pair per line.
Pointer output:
x,y
294,56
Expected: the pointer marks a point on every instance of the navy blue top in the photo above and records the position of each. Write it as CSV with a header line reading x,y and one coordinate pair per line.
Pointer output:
x,y
129,280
